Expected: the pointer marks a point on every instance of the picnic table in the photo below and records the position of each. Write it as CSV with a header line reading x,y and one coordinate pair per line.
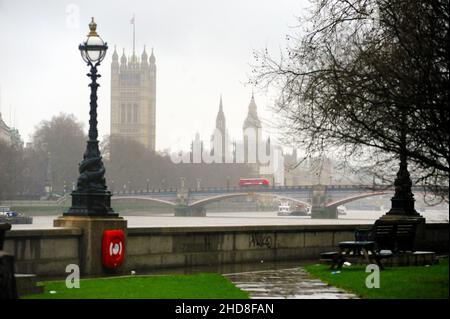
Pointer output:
x,y
359,251
383,240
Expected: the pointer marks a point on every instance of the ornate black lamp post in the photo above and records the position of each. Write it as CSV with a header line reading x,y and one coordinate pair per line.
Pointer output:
x,y
403,200
91,197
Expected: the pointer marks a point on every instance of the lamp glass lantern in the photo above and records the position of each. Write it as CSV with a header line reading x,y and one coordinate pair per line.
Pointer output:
x,y
93,50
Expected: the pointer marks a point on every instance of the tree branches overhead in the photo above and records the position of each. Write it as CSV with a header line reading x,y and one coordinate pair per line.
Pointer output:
x,y
359,73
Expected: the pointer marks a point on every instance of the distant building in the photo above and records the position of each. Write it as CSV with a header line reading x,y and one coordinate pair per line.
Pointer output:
x,y
219,139
319,170
133,98
274,169
265,158
196,149
252,133
5,131
16,139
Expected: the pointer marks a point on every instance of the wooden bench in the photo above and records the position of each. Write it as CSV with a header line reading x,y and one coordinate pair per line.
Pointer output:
x,y
394,235
383,240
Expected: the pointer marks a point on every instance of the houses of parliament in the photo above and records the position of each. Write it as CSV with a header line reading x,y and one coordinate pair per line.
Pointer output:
x,y
133,116
133,97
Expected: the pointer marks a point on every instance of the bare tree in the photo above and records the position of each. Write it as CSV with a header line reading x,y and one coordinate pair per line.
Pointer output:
x,y
368,79
131,165
11,170
58,144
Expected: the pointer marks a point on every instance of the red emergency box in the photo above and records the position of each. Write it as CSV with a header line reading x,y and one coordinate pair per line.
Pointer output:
x,y
113,248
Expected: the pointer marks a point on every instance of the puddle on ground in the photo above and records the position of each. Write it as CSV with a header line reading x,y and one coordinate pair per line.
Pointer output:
x,y
294,283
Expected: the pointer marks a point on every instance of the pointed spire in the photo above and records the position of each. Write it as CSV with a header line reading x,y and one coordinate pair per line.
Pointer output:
x,y
220,119
123,59
252,108
144,57
252,119
152,58
115,56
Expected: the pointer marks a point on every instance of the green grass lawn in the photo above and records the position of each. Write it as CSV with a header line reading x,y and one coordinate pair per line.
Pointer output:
x,y
415,282
204,286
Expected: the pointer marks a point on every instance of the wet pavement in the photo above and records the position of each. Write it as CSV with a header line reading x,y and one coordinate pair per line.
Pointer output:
x,y
293,283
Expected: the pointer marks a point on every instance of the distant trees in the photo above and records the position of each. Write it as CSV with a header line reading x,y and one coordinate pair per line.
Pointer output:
x,y
58,144
57,147
129,165
12,168
368,79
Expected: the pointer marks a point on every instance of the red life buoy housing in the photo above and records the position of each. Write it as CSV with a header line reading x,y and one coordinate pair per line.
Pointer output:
x,y
113,248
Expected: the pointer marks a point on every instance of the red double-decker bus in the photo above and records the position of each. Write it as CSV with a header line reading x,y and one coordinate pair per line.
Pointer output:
x,y
252,182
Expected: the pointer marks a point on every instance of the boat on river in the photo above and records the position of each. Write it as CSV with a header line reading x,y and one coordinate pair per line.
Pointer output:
x,y
12,217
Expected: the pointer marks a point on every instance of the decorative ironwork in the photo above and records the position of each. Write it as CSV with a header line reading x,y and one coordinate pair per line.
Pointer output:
x,y
91,196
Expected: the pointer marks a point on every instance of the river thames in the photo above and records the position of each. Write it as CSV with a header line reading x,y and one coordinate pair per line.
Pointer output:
x,y
151,219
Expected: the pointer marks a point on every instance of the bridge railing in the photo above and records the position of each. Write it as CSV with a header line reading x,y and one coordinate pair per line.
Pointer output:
x,y
271,188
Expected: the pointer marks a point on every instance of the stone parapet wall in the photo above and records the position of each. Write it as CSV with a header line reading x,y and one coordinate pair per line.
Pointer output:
x,y
191,246
44,252
47,252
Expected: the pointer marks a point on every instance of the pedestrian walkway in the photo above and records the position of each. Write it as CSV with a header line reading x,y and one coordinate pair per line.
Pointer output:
x,y
294,283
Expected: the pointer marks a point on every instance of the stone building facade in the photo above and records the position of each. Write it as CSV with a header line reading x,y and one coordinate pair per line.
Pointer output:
x,y
133,98
5,131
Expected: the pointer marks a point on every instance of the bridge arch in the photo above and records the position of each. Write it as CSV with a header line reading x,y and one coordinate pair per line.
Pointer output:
x,y
212,199
149,199
349,199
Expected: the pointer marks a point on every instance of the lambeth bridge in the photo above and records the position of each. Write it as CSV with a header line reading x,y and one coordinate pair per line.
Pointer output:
x,y
323,200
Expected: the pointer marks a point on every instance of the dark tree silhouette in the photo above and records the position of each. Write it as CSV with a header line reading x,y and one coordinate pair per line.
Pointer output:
x,y
61,141
11,170
368,79
129,165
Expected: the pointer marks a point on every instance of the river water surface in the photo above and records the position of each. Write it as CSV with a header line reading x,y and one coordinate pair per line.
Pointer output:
x,y
150,219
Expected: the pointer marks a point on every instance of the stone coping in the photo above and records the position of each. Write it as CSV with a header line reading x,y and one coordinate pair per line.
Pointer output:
x,y
135,231
261,228
249,228
44,232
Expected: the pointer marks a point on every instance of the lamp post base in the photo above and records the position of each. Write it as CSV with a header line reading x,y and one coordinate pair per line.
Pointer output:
x,y
403,209
418,218
93,228
91,204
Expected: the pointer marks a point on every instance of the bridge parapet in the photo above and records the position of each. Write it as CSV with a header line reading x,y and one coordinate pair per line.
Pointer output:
x,y
328,197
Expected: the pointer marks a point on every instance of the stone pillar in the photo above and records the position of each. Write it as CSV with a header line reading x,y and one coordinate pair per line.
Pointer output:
x,y
184,210
91,239
318,204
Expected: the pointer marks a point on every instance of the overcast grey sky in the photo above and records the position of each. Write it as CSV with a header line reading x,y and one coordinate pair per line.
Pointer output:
x,y
203,48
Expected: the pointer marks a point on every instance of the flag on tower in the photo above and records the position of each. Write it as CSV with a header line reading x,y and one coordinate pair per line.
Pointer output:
x,y
134,34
